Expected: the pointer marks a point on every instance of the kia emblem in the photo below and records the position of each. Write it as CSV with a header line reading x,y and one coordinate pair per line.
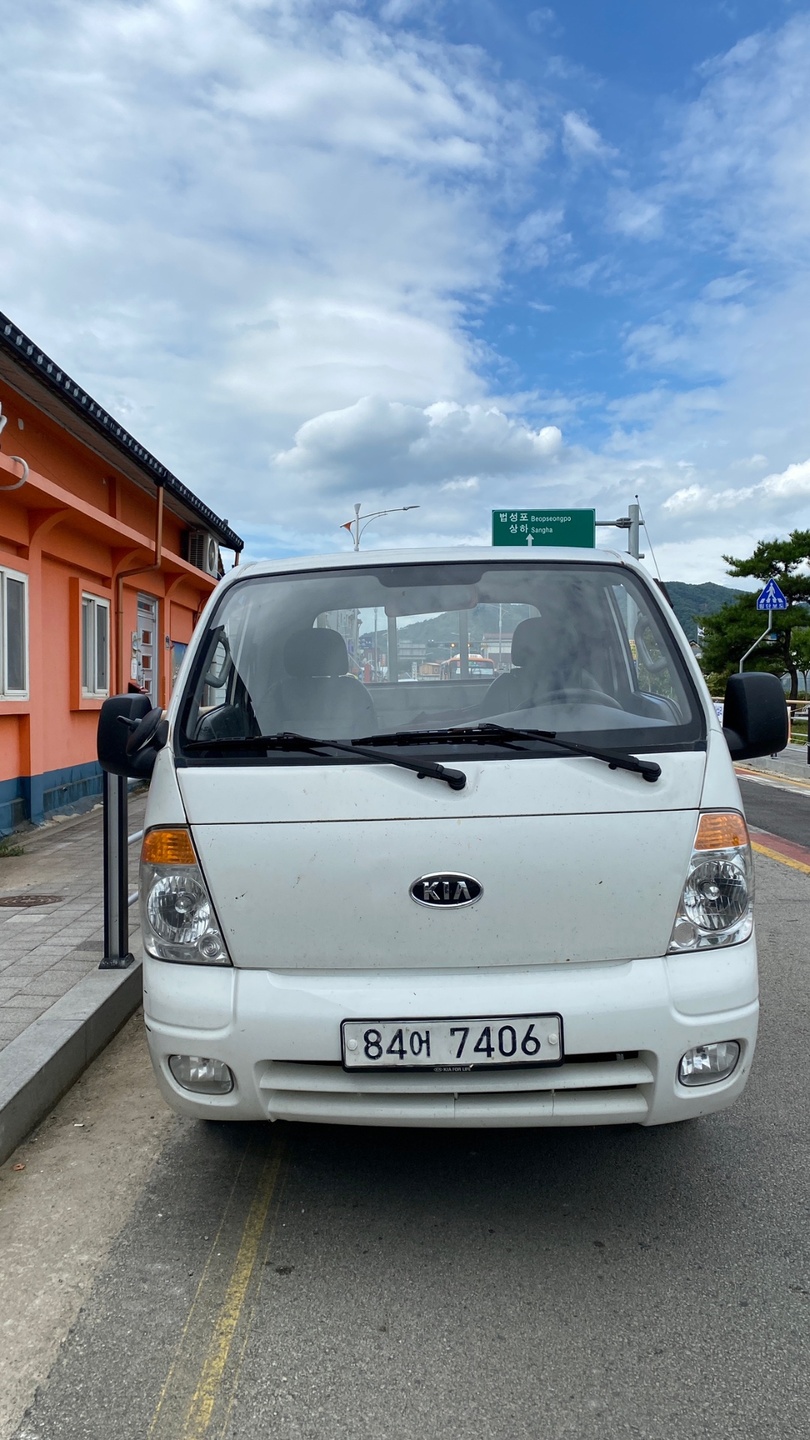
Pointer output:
x,y
446,890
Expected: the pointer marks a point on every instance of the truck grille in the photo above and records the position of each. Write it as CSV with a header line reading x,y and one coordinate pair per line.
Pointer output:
x,y
585,1090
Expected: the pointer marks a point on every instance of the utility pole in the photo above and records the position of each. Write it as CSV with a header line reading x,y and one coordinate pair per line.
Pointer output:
x,y
631,522
634,516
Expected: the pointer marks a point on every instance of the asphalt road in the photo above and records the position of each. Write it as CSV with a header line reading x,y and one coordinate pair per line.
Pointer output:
x,y
778,809
304,1283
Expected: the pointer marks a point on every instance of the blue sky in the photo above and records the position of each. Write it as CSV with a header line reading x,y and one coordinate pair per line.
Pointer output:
x,y
461,254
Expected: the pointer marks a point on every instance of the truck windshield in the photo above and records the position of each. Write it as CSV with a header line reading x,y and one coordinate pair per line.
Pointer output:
x,y
582,650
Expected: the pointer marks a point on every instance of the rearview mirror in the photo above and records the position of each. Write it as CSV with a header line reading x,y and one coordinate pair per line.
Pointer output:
x,y
755,718
130,733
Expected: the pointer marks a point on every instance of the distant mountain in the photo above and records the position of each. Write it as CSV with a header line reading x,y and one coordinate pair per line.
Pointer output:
x,y
692,602
438,633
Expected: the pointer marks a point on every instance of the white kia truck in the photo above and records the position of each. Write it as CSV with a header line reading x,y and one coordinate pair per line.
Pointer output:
x,y
378,888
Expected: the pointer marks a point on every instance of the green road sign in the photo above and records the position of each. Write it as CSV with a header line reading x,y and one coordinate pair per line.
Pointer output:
x,y
544,527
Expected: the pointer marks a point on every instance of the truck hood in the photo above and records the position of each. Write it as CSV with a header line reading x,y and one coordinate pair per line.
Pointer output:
x,y
310,867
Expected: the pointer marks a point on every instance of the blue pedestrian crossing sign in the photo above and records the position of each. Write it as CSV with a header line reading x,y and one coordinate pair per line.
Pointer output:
x,y
771,598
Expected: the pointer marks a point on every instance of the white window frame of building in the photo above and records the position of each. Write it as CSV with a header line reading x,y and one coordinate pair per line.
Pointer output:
x,y
95,664
8,690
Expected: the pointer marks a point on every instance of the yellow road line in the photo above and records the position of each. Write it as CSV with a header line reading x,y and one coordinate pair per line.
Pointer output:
x,y
202,1401
783,859
177,1417
167,1384
236,1368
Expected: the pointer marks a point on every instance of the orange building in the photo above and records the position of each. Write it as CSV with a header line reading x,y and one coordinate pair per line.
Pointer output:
x,y
106,560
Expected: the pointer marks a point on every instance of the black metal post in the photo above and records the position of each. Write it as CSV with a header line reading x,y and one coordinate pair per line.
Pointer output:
x,y
117,954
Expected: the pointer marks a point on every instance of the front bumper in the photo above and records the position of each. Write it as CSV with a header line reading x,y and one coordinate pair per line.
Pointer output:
x,y
626,1026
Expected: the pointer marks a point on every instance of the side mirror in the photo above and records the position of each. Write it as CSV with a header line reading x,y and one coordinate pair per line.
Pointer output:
x,y
130,733
755,718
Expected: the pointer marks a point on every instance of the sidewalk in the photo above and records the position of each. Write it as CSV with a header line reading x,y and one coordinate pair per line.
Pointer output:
x,y
57,1009
791,762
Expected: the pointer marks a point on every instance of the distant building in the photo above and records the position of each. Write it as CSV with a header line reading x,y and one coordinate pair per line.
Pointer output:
x,y
106,560
499,649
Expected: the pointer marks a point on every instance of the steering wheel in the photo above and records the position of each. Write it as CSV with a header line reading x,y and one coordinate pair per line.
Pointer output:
x,y
147,732
583,694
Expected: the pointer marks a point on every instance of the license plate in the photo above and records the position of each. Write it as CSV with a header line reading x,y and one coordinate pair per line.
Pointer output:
x,y
461,1044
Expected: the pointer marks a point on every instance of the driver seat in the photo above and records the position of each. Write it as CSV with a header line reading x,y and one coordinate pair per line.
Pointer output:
x,y
544,660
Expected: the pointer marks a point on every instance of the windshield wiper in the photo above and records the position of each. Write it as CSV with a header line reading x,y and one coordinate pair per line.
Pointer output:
x,y
503,734
649,769
289,740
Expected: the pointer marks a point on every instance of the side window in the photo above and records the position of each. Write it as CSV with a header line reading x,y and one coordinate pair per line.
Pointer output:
x,y
13,635
650,656
95,659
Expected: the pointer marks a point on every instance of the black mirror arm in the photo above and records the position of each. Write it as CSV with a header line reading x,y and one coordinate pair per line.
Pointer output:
x,y
735,743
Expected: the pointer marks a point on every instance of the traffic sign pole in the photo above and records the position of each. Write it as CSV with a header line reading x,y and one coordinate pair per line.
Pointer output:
x,y
757,642
770,598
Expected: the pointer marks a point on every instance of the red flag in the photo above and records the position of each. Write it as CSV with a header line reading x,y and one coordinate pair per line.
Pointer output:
x,y
348,526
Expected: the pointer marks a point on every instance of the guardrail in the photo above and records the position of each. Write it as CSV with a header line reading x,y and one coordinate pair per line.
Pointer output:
x,y
797,709
117,899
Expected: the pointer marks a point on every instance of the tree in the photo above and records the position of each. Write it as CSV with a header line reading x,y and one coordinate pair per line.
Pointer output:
x,y
730,632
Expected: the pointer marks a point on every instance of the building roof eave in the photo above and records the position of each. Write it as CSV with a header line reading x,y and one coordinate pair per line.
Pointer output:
x,y
71,402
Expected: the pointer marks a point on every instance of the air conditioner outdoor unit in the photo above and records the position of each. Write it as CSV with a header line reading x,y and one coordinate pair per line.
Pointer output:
x,y
203,551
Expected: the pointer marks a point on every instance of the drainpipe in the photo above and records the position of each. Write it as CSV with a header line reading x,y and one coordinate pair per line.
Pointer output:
x,y
123,679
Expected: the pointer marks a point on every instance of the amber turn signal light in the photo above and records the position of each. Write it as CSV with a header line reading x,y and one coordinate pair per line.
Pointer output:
x,y
168,847
721,832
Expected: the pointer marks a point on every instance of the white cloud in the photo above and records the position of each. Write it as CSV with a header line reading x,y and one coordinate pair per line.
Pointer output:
x,y
733,193
794,481
725,287
543,20
408,445
266,236
636,216
581,141
473,483
536,234
688,498
743,158
228,218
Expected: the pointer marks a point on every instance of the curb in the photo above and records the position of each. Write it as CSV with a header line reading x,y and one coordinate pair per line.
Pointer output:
x,y
44,1061
790,764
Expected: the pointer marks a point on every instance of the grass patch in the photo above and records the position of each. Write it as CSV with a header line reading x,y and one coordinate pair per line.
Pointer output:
x,y
7,852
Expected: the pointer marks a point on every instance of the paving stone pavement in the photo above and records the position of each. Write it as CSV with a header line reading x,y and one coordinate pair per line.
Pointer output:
x,y
48,949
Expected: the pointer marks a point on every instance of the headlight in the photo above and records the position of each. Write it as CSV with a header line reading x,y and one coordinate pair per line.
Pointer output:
x,y
177,917
716,906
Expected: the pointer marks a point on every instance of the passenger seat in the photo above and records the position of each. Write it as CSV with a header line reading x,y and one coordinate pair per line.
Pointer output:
x,y
317,696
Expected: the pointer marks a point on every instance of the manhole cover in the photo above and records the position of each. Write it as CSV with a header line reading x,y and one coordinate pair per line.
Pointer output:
x,y
27,902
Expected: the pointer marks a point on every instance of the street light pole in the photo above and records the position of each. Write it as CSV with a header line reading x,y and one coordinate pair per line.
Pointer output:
x,y
356,530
